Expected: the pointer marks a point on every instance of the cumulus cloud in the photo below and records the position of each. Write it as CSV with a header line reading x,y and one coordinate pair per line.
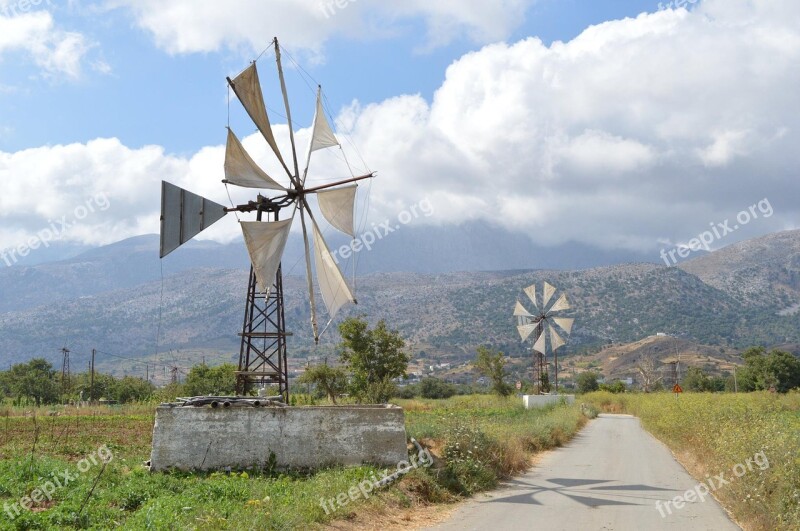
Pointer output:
x,y
637,131
185,26
55,51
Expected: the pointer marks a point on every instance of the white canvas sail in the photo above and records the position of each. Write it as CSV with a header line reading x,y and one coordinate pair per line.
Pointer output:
x,y
565,323
247,88
561,304
540,344
548,294
530,291
556,341
241,170
265,242
338,206
526,330
322,135
335,291
520,311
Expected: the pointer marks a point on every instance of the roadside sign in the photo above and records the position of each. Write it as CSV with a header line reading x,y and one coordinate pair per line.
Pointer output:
x,y
677,389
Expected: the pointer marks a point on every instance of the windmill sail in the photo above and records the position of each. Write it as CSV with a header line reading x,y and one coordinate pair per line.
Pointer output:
x,y
565,323
184,215
561,304
265,242
530,291
241,170
548,294
540,344
526,330
335,291
247,88
338,206
322,136
520,311
556,341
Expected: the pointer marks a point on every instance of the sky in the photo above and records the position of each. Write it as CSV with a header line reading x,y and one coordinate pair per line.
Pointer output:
x,y
623,124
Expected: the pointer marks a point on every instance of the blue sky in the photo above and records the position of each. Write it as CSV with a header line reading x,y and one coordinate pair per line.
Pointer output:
x,y
177,101
607,122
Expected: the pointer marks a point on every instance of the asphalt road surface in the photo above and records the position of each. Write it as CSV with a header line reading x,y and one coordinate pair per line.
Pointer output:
x,y
609,477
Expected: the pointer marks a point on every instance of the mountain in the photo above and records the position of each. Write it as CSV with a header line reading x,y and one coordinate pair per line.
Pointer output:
x,y
129,263
114,299
760,272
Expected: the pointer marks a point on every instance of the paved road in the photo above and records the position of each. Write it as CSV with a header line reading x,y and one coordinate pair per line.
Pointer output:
x,y
609,477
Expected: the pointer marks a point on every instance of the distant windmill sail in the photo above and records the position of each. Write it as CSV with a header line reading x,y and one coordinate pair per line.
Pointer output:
x,y
548,294
184,215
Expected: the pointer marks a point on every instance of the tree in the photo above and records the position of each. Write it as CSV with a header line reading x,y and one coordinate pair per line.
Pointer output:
x,y
436,388
132,389
696,380
203,380
35,379
493,366
763,371
649,373
587,382
374,357
330,380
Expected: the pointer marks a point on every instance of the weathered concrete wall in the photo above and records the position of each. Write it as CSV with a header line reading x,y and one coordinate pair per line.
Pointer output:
x,y
544,400
202,438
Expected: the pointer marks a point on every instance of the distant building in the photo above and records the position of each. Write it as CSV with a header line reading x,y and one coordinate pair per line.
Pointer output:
x,y
661,334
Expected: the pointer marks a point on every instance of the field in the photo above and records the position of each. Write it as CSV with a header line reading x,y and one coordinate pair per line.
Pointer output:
x,y
713,434
84,469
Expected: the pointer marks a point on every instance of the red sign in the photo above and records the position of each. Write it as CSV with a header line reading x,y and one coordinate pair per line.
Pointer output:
x,y
677,389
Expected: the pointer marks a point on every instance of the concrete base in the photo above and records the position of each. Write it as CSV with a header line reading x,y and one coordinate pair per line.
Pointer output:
x,y
531,401
202,438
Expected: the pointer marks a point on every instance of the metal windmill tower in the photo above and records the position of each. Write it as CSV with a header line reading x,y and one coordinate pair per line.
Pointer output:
x,y
543,323
262,355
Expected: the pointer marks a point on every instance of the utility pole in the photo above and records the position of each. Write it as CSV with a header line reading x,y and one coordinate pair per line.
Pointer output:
x,y
91,380
147,371
65,371
735,383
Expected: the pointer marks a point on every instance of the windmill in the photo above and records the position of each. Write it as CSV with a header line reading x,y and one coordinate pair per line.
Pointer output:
x,y
544,322
262,355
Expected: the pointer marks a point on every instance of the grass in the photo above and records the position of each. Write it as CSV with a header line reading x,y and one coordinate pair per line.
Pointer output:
x,y
713,433
477,441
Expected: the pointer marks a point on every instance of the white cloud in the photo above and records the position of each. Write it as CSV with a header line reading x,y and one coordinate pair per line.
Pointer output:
x,y
55,51
636,131
186,26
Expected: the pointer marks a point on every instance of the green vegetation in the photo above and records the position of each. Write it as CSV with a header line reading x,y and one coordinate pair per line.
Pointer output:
x,y
762,371
587,382
476,441
713,433
492,365
436,388
373,357
331,381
